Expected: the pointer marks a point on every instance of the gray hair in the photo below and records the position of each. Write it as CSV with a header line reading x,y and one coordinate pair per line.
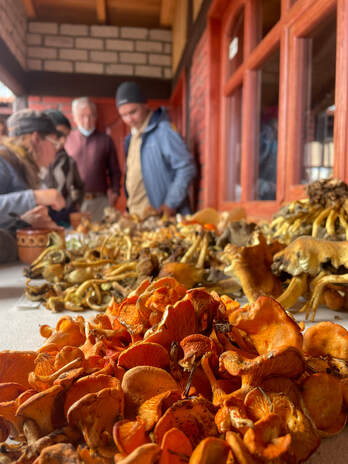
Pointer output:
x,y
82,101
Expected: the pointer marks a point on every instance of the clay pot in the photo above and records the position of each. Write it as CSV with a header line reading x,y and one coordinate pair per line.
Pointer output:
x,y
76,218
32,242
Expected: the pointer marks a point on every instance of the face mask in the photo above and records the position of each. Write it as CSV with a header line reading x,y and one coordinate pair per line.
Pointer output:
x,y
86,132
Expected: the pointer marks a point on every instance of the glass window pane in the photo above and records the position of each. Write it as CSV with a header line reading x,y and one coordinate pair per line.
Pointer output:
x,y
233,158
268,134
235,44
319,98
270,15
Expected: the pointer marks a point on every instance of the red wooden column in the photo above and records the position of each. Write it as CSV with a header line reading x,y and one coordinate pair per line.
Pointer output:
x,y
212,115
309,13
341,95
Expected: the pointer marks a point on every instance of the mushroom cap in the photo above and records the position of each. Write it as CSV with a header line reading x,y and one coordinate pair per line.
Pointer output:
x,y
15,366
144,454
144,354
210,450
286,361
143,382
195,346
169,330
176,447
193,416
95,414
323,396
68,331
128,435
152,409
267,324
44,408
326,338
267,439
86,385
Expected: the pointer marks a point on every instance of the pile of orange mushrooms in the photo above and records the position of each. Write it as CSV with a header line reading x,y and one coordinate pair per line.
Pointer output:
x,y
174,376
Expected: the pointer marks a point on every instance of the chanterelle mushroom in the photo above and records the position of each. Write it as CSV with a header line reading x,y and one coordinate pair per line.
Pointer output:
x,y
95,414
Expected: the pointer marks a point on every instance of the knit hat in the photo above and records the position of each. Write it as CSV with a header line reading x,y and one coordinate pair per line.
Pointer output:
x,y
28,121
129,92
58,118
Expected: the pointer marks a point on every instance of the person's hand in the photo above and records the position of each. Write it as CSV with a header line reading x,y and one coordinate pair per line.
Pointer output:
x,y
38,218
49,197
166,210
112,197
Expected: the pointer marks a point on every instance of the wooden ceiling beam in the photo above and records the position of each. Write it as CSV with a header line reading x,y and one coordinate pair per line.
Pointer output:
x,y
101,11
167,12
29,8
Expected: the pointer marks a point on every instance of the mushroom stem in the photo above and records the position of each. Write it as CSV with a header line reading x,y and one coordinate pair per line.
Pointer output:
x,y
189,380
187,256
31,431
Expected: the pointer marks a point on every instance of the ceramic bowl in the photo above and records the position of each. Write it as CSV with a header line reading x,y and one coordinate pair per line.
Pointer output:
x,y
32,242
76,218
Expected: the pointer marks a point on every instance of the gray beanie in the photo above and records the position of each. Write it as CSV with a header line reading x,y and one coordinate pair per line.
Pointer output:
x,y
28,121
129,92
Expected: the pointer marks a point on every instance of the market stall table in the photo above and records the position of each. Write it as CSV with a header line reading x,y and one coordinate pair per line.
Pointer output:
x,y
20,330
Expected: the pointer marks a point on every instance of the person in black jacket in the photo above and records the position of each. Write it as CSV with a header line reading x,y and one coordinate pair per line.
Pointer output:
x,y
63,173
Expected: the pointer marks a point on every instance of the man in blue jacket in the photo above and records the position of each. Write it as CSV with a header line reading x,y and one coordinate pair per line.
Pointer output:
x,y
159,166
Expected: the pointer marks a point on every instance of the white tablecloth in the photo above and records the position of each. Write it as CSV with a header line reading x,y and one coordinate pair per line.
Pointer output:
x,y
20,330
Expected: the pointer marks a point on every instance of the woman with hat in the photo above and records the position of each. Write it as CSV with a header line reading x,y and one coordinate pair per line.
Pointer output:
x,y
31,143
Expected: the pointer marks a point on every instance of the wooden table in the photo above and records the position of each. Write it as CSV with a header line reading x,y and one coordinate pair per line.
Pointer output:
x,y
20,330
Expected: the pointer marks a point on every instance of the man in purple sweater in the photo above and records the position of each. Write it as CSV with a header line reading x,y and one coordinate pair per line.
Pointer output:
x,y
96,158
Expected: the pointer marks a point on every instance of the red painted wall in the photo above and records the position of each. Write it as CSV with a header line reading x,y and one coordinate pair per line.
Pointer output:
x,y
197,106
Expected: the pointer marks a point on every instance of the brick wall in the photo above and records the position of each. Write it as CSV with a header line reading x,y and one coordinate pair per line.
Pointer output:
x,y
78,48
13,26
198,85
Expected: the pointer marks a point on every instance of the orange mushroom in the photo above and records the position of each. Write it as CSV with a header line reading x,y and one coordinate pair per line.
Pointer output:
x,y
239,449
43,408
142,383
69,331
304,436
95,414
128,435
326,338
194,346
16,365
210,450
144,454
151,410
267,439
323,396
176,447
169,330
8,413
144,354
205,306
194,417
286,361
86,385
267,324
